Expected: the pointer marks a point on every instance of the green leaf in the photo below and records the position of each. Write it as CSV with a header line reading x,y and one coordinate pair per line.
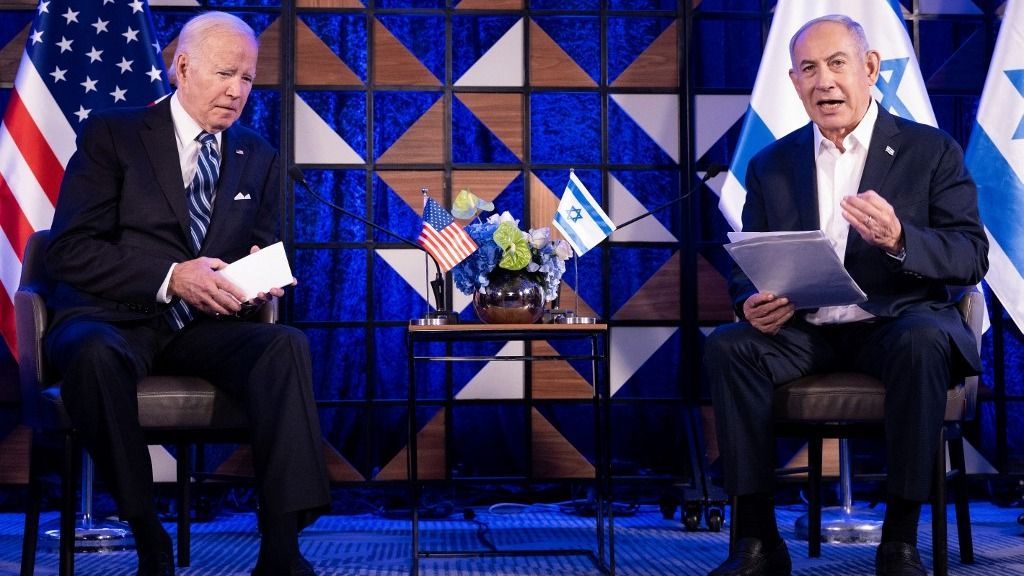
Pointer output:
x,y
515,249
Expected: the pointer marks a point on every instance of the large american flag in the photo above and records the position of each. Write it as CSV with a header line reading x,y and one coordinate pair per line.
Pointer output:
x,y
442,237
80,57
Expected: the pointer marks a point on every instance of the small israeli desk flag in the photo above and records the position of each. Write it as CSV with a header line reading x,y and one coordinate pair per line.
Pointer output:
x,y
580,218
995,158
775,109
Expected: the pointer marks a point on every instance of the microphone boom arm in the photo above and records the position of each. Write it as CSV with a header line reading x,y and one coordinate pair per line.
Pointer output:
x,y
436,285
712,171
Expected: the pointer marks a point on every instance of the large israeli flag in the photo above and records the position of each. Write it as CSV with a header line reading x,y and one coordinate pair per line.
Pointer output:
x,y
995,157
775,109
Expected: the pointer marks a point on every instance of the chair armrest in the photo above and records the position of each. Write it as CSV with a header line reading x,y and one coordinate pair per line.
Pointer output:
x,y
972,308
268,312
31,319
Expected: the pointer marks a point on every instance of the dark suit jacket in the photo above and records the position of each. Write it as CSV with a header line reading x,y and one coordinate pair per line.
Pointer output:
x,y
122,217
920,171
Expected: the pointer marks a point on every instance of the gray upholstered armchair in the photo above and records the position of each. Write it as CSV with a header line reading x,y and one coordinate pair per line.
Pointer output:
x,y
172,410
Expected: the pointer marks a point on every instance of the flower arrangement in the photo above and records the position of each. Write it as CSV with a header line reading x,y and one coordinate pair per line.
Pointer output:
x,y
505,250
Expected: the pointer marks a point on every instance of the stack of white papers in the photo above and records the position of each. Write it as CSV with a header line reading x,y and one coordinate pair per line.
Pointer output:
x,y
261,271
801,266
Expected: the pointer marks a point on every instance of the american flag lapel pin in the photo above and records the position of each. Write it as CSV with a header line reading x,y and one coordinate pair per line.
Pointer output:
x,y
890,151
239,151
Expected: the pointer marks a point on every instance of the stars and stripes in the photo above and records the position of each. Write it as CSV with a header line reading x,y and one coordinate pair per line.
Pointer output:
x,y
79,57
442,237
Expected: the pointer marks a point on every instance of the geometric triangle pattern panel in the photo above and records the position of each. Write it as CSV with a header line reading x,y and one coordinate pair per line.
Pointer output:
x,y
398,201
333,127
644,283
408,127
646,361
473,141
322,223
645,128
635,192
551,65
331,49
407,50
397,294
643,52
14,31
577,37
501,98
487,51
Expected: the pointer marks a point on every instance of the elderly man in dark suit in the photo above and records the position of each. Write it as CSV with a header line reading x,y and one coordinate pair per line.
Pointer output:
x,y
901,212
153,203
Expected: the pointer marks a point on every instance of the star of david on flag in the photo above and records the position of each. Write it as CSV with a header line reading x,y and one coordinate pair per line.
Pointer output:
x,y
775,109
442,237
995,159
80,57
580,218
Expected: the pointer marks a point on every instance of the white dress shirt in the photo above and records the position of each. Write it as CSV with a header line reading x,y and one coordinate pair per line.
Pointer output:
x,y
838,174
186,130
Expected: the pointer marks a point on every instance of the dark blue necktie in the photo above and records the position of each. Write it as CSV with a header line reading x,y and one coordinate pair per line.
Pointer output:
x,y
200,208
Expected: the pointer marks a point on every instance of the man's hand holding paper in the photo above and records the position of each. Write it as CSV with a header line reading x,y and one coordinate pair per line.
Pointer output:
x,y
767,312
800,266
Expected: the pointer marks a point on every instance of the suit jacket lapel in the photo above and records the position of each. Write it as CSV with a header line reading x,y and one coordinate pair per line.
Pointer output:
x,y
235,153
881,154
806,181
159,142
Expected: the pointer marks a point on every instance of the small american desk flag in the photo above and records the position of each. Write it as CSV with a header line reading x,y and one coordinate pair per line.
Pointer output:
x,y
80,57
442,237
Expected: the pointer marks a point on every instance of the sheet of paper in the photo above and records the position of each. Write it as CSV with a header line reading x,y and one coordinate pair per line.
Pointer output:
x,y
261,271
800,266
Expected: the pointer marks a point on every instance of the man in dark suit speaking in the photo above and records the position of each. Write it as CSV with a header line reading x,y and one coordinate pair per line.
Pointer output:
x,y
153,203
895,201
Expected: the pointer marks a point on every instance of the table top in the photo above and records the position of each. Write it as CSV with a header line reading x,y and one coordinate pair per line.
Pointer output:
x,y
525,328
490,332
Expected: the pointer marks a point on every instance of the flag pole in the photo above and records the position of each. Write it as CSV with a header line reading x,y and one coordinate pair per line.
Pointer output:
x,y
573,316
440,316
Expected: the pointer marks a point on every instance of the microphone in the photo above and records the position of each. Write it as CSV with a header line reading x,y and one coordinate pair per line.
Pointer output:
x,y
436,285
713,170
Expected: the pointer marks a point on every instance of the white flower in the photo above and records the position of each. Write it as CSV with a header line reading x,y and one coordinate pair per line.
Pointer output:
x,y
539,237
563,250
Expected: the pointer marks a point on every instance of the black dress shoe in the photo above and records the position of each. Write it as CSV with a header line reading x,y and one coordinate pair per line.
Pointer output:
x,y
751,559
299,567
898,559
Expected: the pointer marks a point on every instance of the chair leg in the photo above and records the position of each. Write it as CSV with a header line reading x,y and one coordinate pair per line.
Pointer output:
x,y
67,511
814,449
963,512
733,518
30,539
184,504
940,552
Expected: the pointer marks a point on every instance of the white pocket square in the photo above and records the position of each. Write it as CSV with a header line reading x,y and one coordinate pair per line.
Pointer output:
x,y
241,196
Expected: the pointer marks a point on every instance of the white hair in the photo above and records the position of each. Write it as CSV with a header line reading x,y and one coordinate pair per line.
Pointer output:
x,y
201,27
851,25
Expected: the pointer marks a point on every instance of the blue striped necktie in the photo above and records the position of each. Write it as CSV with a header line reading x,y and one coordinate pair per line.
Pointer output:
x,y
200,208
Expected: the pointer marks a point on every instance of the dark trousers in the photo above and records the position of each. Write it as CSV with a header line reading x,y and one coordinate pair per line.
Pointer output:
x,y
266,366
911,355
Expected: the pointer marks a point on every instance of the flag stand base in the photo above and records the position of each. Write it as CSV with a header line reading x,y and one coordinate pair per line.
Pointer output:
x,y
440,318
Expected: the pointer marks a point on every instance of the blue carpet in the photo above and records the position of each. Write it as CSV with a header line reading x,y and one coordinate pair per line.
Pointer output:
x,y
645,544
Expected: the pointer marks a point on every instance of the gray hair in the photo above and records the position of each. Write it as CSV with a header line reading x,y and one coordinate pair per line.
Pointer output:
x,y
851,25
202,27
